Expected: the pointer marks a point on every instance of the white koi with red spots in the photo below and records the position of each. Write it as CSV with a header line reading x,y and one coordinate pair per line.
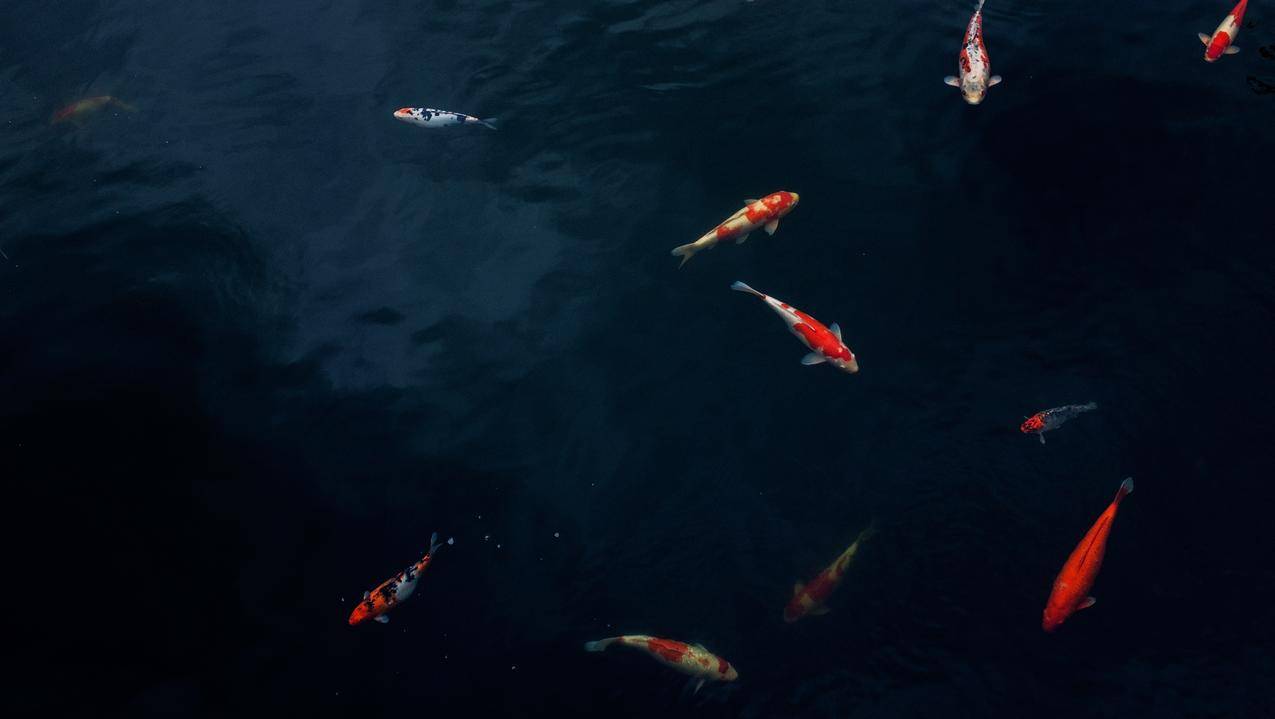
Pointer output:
x,y
690,659
1219,43
973,63
763,213
825,343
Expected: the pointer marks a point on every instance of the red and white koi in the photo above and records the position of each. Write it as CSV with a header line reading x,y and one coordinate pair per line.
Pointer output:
x,y
429,117
763,213
80,109
1050,419
1219,43
825,343
690,659
1071,588
810,599
974,64
377,603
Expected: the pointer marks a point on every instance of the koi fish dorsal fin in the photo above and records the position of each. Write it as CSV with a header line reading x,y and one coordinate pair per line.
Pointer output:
x,y
796,588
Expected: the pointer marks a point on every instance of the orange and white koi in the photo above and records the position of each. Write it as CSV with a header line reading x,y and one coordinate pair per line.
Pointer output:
x,y
763,213
1219,43
825,343
691,659
974,64
1050,419
811,599
429,117
377,603
1071,588
81,108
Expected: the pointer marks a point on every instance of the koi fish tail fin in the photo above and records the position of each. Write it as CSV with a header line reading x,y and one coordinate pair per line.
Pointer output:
x,y
686,252
490,122
741,287
1126,488
980,6
435,545
868,532
1089,406
600,645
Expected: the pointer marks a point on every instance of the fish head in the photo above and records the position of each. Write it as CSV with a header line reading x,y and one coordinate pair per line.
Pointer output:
x,y
412,115
1051,619
730,674
846,361
792,612
362,613
973,89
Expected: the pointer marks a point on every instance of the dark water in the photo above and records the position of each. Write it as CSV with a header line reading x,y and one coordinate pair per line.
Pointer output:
x,y
259,340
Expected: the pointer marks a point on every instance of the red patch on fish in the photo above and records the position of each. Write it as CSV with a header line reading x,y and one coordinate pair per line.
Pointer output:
x,y
667,649
722,665
1035,423
1220,42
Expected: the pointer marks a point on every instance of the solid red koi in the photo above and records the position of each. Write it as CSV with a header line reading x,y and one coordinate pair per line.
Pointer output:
x,y
1071,588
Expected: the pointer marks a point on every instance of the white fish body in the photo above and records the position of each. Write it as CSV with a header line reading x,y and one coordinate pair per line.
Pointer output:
x,y
429,117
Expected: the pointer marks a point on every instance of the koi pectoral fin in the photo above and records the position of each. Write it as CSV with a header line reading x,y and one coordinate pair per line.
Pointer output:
x,y
1203,38
772,226
996,80
819,611
741,239
1231,50
1042,437
383,619
951,80
813,358
1089,602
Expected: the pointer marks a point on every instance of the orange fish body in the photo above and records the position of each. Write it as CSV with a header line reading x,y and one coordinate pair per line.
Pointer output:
x,y
810,599
376,604
1071,588
690,659
764,213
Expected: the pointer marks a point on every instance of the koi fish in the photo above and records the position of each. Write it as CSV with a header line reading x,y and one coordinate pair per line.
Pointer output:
x,y
691,659
1219,43
427,117
825,343
80,108
1071,588
973,62
1042,422
377,603
763,213
810,598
